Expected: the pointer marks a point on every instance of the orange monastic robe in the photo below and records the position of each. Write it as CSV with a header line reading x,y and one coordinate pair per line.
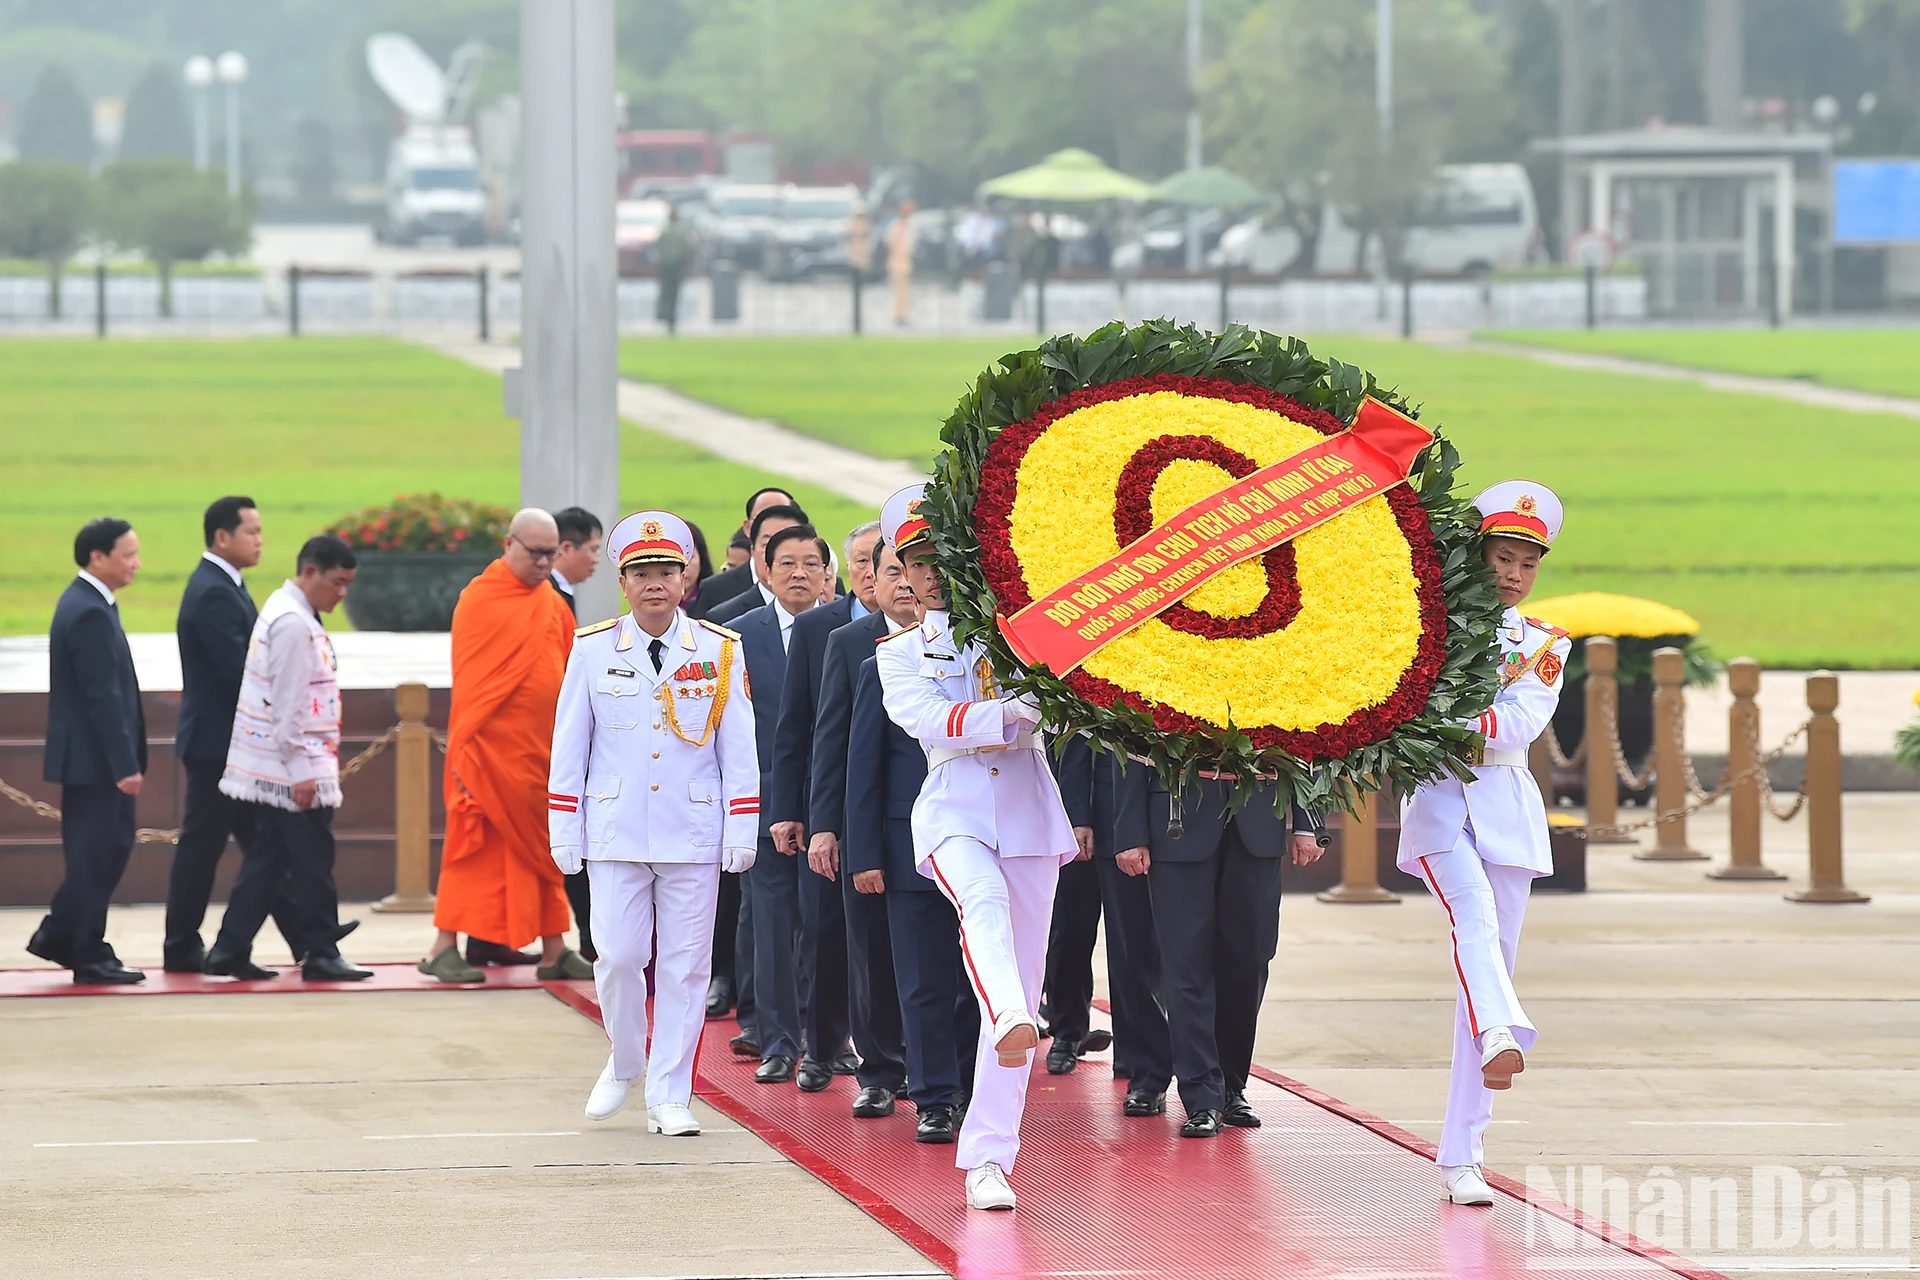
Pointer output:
x,y
510,647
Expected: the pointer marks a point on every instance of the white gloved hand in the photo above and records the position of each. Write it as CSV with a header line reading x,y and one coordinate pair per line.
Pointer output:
x,y
736,860
1021,707
569,858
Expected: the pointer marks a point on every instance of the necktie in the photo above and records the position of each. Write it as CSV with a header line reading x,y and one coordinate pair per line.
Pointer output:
x,y
653,651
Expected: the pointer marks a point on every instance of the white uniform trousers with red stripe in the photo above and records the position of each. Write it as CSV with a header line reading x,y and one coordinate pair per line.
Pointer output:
x,y
1485,904
1005,907
633,903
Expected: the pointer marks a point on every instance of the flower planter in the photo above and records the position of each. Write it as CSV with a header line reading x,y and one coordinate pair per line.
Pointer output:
x,y
411,590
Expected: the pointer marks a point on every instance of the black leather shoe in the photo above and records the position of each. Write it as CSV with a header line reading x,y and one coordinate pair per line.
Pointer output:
x,y
719,997
847,1064
775,1070
1238,1114
184,961
1099,1040
339,931
110,974
1202,1124
938,1124
53,952
746,1044
1142,1103
813,1076
480,951
873,1104
332,969
235,967
1063,1055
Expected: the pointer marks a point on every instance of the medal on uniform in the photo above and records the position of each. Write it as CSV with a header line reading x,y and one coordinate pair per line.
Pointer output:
x,y
714,708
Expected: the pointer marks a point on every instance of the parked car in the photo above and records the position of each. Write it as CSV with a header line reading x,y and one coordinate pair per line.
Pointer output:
x,y
637,225
737,220
812,232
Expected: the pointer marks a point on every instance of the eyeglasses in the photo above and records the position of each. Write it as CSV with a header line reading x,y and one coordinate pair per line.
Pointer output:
x,y
785,565
537,554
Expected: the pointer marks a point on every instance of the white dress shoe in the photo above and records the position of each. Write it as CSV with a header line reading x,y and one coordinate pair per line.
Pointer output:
x,y
609,1094
1465,1185
1014,1034
1500,1059
673,1120
987,1188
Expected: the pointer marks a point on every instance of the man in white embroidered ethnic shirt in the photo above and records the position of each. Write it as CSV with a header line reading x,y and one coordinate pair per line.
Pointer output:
x,y
284,762
989,829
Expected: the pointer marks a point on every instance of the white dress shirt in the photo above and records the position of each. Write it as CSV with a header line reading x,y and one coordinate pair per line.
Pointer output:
x,y
226,568
786,622
99,586
561,581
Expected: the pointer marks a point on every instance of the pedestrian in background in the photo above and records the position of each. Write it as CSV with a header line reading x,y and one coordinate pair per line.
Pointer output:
x,y
96,750
283,765
900,263
674,252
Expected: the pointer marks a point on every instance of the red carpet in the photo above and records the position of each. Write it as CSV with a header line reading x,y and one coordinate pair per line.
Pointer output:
x,y
1323,1190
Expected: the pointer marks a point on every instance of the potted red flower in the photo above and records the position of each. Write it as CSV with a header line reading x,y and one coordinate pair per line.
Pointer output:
x,y
417,553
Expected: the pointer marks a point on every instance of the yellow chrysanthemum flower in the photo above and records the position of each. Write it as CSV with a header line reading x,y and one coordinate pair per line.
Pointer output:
x,y
1600,613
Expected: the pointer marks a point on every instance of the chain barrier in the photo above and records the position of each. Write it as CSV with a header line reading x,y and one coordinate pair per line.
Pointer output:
x,y
158,835
1635,782
1728,781
1560,759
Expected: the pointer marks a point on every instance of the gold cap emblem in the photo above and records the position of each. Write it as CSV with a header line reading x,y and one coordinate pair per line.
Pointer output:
x,y
654,529
1526,506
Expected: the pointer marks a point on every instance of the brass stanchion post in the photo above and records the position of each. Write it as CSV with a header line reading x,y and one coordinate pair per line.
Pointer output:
x,y
1359,855
412,802
1603,708
1669,750
1826,877
1743,795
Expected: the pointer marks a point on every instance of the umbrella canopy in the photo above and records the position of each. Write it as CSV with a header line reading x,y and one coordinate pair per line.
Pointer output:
x,y
1209,188
1068,176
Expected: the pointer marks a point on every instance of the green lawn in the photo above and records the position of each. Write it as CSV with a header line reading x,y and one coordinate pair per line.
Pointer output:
x,y
1793,534
883,396
313,429
1883,360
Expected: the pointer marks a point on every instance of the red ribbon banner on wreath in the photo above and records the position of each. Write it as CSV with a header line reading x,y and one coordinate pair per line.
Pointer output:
x,y
1247,518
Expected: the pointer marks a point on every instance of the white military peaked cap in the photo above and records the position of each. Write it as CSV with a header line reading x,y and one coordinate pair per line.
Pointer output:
x,y
900,520
651,535
1524,509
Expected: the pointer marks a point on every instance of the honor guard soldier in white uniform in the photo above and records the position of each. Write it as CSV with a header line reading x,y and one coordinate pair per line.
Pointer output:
x,y
990,830
1480,845
655,788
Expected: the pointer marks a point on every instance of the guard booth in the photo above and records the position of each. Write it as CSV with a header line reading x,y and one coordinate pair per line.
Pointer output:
x,y
1701,211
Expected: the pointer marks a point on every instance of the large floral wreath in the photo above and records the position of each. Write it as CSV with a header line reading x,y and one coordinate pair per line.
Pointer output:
x,y
1344,658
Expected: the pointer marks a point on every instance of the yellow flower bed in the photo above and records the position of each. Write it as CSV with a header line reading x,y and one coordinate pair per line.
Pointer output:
x,y
1358,628
1599,613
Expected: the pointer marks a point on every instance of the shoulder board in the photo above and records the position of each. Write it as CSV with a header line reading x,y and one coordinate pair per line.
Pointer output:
x,y
596,627
717,629
1546,626
896,635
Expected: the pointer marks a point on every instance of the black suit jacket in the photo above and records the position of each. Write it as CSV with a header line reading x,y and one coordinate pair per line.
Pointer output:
x,y
573,606
728,611
885,767
96,729
847,648
215,623
793,736
1142,807
767,676
722,587
1086,789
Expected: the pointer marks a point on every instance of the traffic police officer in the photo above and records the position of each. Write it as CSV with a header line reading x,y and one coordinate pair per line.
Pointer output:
x,y
655,788
990,830
1480,845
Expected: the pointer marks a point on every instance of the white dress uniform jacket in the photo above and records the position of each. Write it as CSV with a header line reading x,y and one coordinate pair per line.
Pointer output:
x,y
1503,804
625,785
987,778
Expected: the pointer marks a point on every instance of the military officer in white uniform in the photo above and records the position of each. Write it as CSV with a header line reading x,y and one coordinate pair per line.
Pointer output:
x,y
655,789
989,829
1480,845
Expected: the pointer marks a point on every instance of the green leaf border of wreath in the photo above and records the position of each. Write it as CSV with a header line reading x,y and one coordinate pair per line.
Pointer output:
x,y
1430,745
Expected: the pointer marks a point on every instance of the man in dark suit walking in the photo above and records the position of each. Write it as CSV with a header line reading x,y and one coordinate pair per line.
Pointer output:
x,y
735,579
940,1018
823,917
1215,885
1141,1049
797,565
96,750
216,619
759,589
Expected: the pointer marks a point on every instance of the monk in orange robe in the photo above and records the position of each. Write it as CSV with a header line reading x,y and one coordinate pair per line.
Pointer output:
x,y
512,633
